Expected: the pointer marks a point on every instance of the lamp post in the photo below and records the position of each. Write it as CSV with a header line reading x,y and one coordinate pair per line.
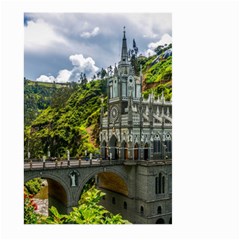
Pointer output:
x,y
68,158
48,153
28,153
90,155
44,159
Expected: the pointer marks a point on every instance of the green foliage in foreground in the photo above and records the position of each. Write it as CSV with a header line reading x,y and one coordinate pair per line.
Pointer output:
x,y
88,212
33,186
30,217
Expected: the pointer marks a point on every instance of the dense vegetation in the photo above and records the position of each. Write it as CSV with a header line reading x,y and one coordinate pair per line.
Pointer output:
x,y
66,117
58,118
69,123
87,212
161,71
33,186
36,98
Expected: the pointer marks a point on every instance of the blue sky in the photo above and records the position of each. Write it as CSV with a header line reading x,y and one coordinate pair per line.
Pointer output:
x,y
58,46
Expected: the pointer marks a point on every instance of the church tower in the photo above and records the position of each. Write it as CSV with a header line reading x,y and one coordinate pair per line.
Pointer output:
x,y
133,128
137,134
124,89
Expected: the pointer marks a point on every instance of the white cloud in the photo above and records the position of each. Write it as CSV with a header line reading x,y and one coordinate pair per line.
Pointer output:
x,y
44,78
80,65
151,25
63,76
101,37
149,53
166,39
150,35
94,33
39,35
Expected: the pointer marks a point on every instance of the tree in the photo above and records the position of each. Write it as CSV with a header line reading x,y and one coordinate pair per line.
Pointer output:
x,y
103,73
159,49
87,212
84,80
98,74
135,48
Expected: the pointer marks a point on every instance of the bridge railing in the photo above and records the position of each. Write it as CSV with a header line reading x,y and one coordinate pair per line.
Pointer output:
x,y
74,163
63,163
51,159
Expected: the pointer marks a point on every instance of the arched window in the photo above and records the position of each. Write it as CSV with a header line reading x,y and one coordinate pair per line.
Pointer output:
x,y
159,210
156,146
124,150
104,150
142,210
170,183
145,153
125,205
156,185
163,184
136,151
160,221
113,200
160,184
168,145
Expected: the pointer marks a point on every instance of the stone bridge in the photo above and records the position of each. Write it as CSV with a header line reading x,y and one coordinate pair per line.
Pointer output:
x,y
66,181
139,190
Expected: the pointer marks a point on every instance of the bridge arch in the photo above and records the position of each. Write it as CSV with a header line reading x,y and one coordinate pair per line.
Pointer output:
x,y
59,194
118,175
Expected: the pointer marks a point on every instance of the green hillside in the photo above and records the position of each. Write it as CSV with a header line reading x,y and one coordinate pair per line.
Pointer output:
x,y
161,71
68,123
67,118
38,96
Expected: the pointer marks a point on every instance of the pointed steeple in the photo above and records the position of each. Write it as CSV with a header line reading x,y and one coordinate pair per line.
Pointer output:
x,y
115,70
124,55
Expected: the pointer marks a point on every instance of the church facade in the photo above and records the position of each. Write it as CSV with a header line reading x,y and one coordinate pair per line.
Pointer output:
x,y
134,128
139,132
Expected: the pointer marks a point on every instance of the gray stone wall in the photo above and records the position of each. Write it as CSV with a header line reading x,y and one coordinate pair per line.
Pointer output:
x,y
140,181
118,207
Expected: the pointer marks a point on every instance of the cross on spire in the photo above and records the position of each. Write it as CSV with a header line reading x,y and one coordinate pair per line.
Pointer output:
x,y
124,31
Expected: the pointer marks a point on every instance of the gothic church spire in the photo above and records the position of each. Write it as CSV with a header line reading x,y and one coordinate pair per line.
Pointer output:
x,y
124,55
